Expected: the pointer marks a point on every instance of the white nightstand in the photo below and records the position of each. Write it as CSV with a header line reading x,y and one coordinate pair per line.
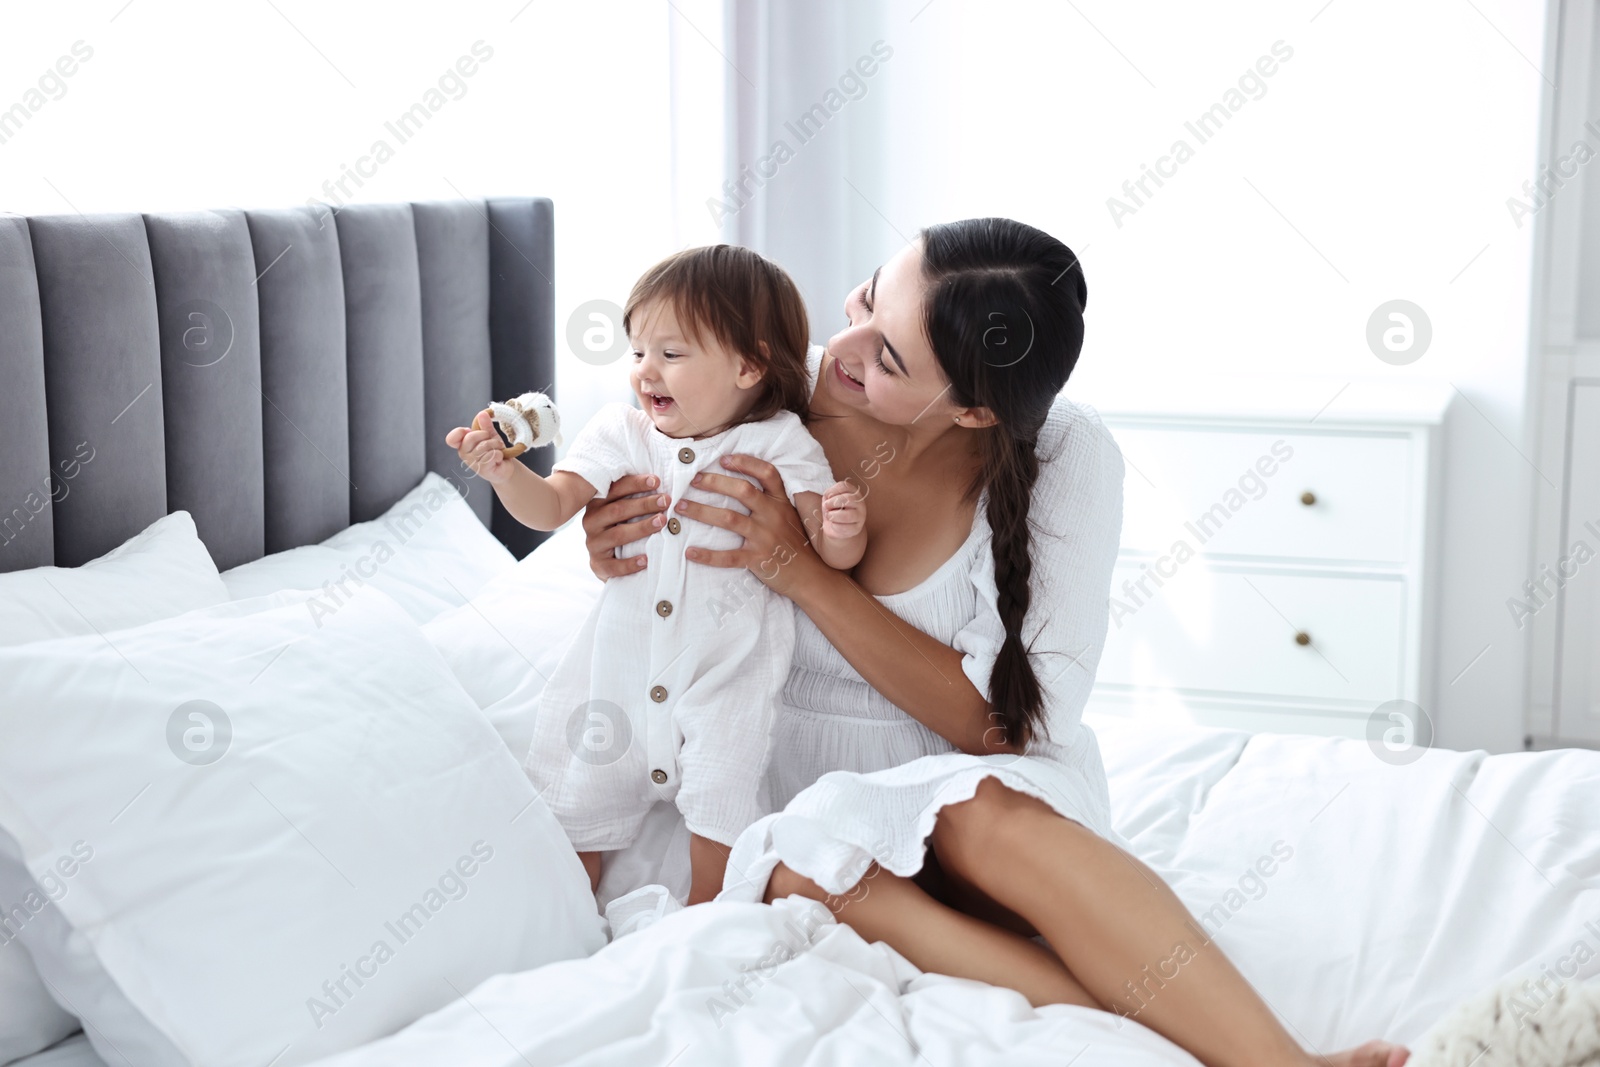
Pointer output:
x,y
1278,552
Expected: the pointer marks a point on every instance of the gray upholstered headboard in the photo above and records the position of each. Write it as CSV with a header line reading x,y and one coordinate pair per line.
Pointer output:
x,y
277,374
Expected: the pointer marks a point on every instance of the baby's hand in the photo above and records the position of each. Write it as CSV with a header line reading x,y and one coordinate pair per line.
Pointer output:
x,y
844,511
480,449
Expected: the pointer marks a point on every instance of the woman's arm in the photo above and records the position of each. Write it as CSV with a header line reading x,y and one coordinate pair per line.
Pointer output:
x,y
912,670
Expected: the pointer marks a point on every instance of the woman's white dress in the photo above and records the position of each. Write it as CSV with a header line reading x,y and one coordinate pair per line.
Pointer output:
x,y
858,780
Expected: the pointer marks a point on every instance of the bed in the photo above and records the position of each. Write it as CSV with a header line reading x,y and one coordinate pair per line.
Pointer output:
x,y
1362,896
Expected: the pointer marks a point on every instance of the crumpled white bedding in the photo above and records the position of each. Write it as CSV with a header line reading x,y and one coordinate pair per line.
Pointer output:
x,y
748,984
1395,892
1410,888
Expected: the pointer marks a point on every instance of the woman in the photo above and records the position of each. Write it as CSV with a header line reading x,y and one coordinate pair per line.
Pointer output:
x,y
939,791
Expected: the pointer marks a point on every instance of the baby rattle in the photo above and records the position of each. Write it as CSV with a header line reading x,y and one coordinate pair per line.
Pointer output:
x,y
528,421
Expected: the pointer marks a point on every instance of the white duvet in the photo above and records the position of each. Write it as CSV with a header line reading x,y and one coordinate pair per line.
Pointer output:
x,y
1394,893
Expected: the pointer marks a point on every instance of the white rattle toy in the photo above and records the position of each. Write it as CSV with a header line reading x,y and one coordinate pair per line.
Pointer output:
x,y
528,421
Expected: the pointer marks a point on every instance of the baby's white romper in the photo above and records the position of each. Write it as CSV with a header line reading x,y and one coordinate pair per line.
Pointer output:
x,y
670,689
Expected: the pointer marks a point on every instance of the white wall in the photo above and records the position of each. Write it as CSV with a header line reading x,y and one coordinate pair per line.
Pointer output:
x,y
1375,166
188,105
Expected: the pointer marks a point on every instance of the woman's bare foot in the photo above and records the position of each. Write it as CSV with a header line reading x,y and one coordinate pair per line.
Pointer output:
x,y
1371,1054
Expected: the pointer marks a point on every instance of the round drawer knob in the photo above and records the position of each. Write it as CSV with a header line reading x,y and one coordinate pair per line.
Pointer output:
x,y
1302,638
658,693
673,525
659,777
685,455
664,608
1308,498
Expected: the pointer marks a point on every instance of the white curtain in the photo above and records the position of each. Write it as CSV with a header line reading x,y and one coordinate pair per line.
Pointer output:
x,y
807,87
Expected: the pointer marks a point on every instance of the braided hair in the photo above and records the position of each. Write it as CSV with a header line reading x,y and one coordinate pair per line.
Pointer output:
x,y
1003,311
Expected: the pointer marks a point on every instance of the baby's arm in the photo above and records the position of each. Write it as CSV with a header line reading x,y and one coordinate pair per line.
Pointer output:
x,y
836,523
542,503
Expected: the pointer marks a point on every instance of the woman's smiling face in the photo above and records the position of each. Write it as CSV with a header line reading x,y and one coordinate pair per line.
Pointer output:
x,y
882,363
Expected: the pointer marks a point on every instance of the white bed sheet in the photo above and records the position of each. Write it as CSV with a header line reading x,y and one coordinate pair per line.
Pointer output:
x,y
1406,890
1410,888
75,1051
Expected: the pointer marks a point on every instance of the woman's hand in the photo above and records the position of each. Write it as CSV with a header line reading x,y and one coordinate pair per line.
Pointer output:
x,y
606,526
775,548
480,449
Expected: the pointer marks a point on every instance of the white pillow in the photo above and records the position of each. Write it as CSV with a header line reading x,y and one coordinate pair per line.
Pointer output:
x,y
29,1019
505,642
160,572
271,836
429,552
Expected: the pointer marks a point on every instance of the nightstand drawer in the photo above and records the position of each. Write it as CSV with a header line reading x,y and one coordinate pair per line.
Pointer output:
x,y
1241,493
1220,631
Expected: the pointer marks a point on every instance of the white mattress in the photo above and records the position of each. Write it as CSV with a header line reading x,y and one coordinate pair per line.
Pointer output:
x,y
1406,890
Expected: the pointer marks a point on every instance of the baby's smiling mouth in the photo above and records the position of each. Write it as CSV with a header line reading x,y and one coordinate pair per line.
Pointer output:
x,y
659,402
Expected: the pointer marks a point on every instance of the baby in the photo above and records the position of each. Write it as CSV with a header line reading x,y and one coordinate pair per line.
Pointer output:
x,y
667,692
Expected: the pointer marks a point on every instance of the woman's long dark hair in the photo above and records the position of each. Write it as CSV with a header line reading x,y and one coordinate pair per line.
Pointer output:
x,y
1004,313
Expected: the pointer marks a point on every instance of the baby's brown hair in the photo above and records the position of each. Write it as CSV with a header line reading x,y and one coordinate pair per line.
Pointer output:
x,y
741,298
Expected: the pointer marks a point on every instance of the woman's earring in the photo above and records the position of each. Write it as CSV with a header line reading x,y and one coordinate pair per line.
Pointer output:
x,y
958,420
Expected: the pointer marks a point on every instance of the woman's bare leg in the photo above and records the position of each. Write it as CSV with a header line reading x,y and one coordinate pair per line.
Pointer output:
x,y
1118,928
939,939
955,891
